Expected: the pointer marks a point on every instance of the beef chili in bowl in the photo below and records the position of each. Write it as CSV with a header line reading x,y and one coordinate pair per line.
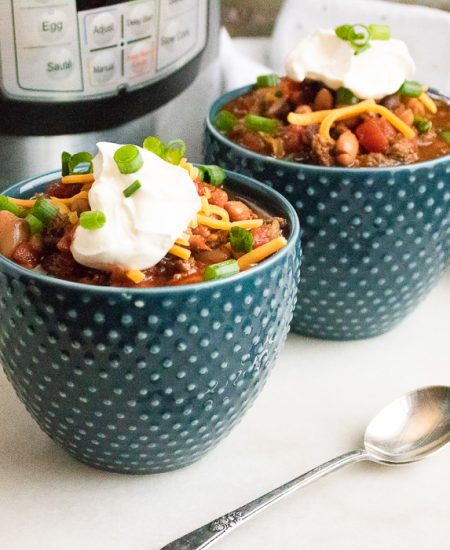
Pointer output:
x,y
375,228
124,375
307,121
139,233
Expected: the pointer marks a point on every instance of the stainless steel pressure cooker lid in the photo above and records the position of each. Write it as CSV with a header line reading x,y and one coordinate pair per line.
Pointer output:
x,y
72,66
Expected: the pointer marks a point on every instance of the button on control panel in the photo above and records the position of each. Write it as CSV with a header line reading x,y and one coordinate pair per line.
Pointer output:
x,y
51,50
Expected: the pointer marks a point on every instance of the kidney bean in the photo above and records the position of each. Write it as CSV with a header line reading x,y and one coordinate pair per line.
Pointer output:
x,y
218,197
214,256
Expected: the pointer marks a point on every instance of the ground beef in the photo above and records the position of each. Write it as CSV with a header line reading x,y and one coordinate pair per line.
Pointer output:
x,y
374,159
403,150
323,150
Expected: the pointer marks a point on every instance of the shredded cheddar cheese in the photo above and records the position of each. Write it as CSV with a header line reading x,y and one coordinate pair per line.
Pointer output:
x,y
358,109
428,102
305,119
63,208
260,253
135,275
205,205
181,252
219,211
226,225
25,203
80,195
78,178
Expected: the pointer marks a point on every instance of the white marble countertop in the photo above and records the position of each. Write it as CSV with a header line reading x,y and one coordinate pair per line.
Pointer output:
x,y
314,406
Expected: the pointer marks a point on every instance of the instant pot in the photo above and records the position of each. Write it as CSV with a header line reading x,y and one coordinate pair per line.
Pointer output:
x,y
74,72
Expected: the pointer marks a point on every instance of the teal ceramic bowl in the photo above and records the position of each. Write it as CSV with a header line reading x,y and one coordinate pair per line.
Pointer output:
x,y
146,380
375,240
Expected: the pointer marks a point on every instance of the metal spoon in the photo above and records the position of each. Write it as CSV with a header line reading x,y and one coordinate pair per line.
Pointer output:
x,y
407,430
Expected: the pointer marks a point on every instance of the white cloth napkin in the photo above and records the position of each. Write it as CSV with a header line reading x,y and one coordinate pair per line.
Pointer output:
x,y
425,30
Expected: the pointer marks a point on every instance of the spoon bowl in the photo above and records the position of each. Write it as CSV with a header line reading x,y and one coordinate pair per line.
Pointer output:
x,y
407,430
410,428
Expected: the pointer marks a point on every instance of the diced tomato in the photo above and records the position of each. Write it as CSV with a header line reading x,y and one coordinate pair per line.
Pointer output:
x,y
373,136
200,186
292,137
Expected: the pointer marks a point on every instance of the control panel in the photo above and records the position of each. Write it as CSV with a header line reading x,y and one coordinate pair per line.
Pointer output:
x,y
50,50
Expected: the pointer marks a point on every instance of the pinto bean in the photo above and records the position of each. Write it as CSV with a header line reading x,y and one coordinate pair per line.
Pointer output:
x,y
323,100
347,146
237,210
407,116
13,231
218,197
214,256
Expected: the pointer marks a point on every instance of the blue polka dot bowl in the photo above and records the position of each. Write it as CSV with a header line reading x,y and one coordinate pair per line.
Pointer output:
x,y
375,240
146,380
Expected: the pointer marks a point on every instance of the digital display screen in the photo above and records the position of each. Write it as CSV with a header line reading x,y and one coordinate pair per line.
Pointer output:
x,y
91,4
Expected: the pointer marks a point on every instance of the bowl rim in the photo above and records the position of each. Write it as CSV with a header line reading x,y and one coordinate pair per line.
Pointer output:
x,y
241,180
232,94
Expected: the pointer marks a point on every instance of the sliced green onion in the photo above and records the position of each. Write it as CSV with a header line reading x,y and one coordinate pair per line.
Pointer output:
x,y
361,49
65,158
6,204
221,270
225,121
92,219
175,151
261,124
210,173
128,159
380,32
410,88
359,35
80,163
241,239
446,136
345,97
344,31
267,80
422,124
44,210
132,188
154,145
35,223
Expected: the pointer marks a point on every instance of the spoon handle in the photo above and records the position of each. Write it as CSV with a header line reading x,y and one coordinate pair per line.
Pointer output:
x,y
210,533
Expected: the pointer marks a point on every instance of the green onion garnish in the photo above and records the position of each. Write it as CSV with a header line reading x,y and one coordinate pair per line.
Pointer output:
x,y
35,223
410,88
175,151
92,219
380,32
422,124
6,204
80,163
132,188
225,121
65,157
154,145
221,270
44,210
359,35
345,97
210,173
241,239
267,80
128,159
261,124
446,136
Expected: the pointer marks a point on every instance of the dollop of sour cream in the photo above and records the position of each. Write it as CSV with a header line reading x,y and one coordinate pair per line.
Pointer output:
x,y
378,71
140,229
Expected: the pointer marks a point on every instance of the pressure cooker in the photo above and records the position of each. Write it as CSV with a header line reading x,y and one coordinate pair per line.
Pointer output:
x,y
75,72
